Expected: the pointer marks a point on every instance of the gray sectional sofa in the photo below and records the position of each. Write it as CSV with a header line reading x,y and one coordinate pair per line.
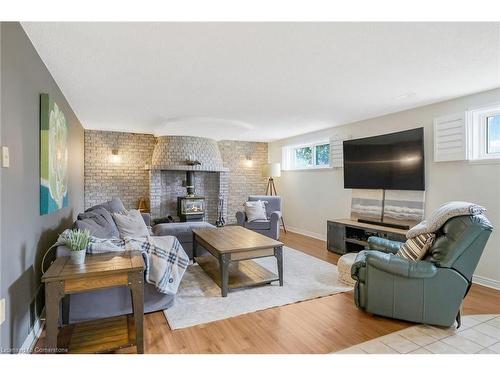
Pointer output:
x,y
117,301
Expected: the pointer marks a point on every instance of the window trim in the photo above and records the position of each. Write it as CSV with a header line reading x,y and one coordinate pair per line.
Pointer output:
x,y
477,132
288,156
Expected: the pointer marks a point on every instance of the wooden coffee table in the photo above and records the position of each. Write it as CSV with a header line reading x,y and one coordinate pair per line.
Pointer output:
x,y
232,249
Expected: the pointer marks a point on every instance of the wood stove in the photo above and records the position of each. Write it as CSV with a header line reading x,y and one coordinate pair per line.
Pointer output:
x,y
190,207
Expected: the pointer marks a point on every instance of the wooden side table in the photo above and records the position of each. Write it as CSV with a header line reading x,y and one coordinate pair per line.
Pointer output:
x,y
101,271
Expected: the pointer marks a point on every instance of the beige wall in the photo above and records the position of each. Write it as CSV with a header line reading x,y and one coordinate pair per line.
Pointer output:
x,y
312,197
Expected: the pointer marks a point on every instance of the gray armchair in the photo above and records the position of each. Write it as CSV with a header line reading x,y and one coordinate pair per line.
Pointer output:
x,y
269,227
426,291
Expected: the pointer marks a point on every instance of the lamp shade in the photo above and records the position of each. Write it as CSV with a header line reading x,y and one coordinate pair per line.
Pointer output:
x,y
271,170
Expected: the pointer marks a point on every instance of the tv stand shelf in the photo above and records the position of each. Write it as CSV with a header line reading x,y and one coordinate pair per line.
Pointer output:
x,y
345,236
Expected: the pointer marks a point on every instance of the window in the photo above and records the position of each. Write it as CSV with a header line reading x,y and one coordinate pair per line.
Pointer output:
x,y
303,157
483,132
308,156
323,154
493,134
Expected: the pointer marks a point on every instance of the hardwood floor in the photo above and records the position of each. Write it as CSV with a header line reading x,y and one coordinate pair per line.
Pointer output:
x,y
321,325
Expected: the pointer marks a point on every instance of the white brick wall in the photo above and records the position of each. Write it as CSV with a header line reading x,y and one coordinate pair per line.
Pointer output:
x,y
127,179
245,176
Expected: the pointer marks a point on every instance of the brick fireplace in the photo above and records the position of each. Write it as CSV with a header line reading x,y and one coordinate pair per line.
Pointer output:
x,y
174,158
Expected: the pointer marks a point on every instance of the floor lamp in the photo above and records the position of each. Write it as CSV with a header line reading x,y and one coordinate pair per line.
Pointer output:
x,y
270,171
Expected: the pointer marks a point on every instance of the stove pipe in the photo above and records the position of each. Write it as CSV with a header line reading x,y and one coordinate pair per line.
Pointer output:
x,y
190,183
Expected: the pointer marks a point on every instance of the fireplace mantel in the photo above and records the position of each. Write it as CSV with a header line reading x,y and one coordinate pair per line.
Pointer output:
x,y
199,168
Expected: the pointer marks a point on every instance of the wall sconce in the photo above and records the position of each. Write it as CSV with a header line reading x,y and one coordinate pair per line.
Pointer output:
x,y
248,161
115,157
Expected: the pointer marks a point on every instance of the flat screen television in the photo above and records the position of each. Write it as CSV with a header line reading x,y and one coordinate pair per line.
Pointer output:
x,y
391,161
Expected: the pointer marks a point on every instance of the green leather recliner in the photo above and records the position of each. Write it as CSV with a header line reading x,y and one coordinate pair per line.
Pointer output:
x,y
426,291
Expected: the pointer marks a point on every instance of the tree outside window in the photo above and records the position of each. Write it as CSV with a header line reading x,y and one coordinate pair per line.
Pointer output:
x,y
303,156
315,155
323,154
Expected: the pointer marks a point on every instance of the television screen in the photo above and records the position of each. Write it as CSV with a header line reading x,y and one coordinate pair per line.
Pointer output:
x,y
390,161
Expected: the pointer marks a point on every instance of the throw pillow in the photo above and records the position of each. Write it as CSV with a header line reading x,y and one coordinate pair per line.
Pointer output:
x,y
442,214
255,210
130,224
99,222
114,205
416,248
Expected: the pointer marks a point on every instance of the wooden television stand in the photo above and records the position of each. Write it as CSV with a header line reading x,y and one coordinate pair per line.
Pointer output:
x,y
345,236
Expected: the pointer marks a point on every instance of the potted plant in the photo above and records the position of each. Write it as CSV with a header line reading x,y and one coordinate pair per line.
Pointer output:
x,y
77,240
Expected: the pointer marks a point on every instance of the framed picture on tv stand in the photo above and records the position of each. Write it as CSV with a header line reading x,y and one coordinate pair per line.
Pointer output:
x,y
395,208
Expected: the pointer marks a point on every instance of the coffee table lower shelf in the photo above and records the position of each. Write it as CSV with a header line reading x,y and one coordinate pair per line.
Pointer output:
x,y
242,274
98,336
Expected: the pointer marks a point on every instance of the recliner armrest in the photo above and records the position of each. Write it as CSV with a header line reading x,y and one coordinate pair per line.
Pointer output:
x,y
359,263
396,265
383,244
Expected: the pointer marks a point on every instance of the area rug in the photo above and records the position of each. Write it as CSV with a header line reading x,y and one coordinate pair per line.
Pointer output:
x,y
199,298
479,334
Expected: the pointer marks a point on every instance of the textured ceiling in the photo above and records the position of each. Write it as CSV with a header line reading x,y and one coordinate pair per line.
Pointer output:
x,y
260,81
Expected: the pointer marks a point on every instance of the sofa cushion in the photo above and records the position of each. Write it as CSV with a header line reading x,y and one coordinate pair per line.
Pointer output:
x,y
258,224
114,205
183,231
130,224
98,222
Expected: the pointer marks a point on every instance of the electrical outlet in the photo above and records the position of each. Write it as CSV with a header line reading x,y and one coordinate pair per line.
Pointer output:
x,y
2,310
5,157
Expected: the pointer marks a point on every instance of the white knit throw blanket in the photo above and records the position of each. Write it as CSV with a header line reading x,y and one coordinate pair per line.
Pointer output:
x,y
442,214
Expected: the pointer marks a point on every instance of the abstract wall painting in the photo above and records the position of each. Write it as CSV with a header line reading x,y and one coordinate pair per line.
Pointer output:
x,y
53,156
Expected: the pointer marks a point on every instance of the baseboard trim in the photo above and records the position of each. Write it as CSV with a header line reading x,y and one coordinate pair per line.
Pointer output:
x,y
307,233
33,335
484,281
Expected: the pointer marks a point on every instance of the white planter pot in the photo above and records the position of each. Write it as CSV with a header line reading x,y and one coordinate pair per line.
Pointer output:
x,y
78,257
